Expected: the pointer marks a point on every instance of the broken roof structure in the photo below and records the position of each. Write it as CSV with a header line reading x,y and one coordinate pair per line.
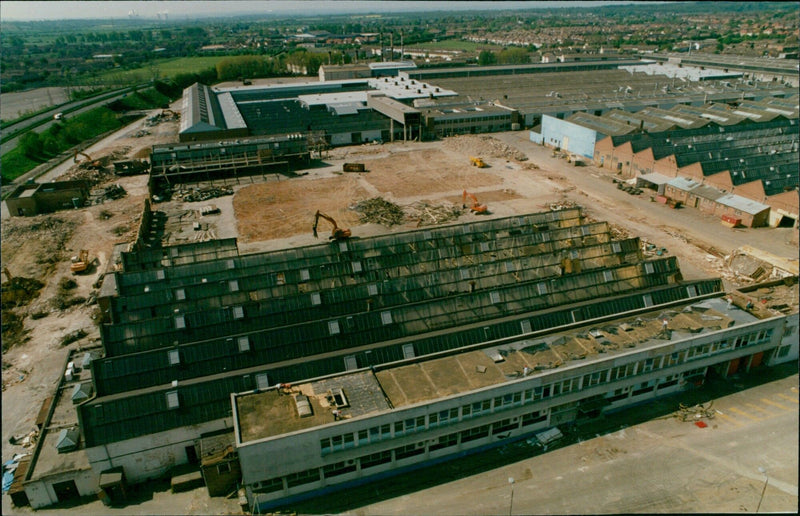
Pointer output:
x,y
187,335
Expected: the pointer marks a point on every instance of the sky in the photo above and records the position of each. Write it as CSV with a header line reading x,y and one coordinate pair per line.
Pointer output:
x,y
182,10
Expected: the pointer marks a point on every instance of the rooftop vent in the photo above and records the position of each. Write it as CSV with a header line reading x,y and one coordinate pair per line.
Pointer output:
x,y
337,398
68,440
81,392
302,405
172,400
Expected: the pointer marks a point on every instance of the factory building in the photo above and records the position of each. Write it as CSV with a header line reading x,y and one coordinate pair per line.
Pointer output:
x,y
256,320
460,100
757,162
32,198
190,325
327,433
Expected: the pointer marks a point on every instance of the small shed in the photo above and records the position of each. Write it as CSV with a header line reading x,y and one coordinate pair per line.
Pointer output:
x,y
654,181
112,486
219,463
752,214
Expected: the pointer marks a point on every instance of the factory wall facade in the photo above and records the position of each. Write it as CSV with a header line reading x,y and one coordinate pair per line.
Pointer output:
x,y
306,463
152,456
567,136
52,489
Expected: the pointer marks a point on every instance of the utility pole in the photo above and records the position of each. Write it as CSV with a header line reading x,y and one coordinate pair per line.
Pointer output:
x,y
764,489
511,503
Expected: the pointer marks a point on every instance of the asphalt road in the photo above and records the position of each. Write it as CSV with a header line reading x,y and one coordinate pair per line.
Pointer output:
x,y
45,120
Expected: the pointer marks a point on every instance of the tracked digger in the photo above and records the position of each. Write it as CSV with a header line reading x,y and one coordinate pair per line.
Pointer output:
x,y
337,233
88,162
476,207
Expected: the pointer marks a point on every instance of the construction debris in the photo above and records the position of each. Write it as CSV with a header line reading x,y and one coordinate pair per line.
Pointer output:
x,y
109,193
95,171
427,214
165,116
695,413
485,145
563,204
19,291
26,441
202,193
379,211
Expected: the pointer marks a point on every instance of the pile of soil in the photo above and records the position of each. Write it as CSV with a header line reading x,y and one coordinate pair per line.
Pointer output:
x,y
483,146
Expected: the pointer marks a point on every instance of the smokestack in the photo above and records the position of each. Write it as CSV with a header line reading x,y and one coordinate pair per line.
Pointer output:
x,y
391,46
402,48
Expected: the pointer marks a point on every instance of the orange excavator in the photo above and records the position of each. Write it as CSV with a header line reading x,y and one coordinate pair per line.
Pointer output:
x,y
78,153
337,233
88,163
476,206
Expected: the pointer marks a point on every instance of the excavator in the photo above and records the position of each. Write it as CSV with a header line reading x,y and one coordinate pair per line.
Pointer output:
x,y
476,206
337,233
75,157
80,263
88,163
477,162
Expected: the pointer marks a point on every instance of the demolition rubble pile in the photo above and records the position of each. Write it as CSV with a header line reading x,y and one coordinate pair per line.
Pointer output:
x,y
202,193
483,146
427,214
164,116
19,291
108,193
695,413
379,211
94,171
563,204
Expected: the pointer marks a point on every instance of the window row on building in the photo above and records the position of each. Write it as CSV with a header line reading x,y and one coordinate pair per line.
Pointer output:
x,y
561,387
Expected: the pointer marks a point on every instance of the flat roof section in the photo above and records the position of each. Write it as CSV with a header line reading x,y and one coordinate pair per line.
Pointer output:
x,y
49,461
274,412
270,413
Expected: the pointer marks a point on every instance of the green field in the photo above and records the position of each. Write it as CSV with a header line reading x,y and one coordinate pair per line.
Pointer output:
x,y
458,44
164,68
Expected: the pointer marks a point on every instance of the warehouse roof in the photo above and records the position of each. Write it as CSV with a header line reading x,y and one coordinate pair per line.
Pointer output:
x,y
740,203
134,413
603,125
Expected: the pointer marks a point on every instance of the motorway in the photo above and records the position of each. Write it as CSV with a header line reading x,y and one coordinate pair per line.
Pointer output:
x,y
44,120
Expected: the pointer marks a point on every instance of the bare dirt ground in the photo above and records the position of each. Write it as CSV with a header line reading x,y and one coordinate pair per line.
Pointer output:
x,y
40,248
267,214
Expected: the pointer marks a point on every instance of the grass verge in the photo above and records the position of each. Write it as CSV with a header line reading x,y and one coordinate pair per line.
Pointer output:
x,y
57,139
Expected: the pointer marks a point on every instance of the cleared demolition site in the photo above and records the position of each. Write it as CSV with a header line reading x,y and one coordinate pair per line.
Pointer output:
x,y
282,315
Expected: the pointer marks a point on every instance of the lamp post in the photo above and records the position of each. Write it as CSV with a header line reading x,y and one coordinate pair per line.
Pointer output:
x,y
764,489
511,503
